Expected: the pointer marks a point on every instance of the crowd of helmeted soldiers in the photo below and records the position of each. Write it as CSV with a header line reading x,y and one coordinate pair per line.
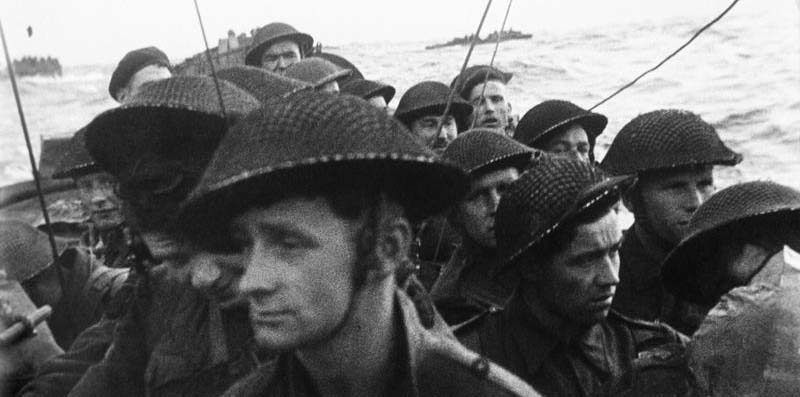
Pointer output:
x,y
273,230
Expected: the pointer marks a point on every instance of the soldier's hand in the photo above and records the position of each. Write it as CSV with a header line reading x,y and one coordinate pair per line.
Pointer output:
x,y
20,358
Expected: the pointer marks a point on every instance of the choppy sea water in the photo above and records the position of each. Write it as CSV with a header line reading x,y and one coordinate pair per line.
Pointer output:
x,y
743,76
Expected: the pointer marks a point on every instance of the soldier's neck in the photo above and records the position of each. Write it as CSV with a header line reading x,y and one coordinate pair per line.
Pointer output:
x,y
547,320
360,359
480,255
656,246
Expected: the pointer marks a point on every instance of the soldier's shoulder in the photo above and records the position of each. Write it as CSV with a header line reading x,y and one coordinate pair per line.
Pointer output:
x,y
257,383
656,344
645,328
448,368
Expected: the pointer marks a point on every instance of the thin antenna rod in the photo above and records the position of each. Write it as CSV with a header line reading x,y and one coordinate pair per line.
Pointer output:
x,y
494,54
460,74
210,61
34,170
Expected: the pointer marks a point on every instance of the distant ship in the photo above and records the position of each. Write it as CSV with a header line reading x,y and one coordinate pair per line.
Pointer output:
x,y
37,66
505,35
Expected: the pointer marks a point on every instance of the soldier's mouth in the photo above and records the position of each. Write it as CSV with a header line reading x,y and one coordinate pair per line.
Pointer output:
x,y
269,317
491,122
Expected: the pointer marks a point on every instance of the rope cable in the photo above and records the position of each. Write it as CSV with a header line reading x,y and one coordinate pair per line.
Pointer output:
x,y
453,89
494,54
663,61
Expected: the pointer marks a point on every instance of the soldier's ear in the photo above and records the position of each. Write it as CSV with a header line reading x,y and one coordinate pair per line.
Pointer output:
x,y
393,244
629,199
122,94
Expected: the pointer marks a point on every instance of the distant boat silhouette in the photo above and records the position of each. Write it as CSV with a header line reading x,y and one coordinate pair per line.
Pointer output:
x,y
33,66
505,35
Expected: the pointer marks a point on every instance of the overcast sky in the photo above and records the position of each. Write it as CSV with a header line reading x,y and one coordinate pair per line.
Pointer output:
x,y
101,31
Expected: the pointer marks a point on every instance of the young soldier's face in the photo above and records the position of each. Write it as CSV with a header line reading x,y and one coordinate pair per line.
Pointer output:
x,y
669,199
579,281
299,259
280,56
98,194
476,212
491,110
572,142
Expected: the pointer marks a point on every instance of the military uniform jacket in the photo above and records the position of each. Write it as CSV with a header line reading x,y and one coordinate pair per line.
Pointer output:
x,y
108,246
615,357
114,287
748,344
90,289
173,341
435,243
641,294
57,376
19,361
468,289
434,364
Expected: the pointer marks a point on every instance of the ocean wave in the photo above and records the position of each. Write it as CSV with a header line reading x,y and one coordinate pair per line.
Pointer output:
x,y
740,119
743,75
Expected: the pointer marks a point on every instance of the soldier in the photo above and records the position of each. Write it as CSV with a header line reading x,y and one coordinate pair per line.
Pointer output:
x,y
421,109
182,331
319,203
88,286
484,87
260,83
20,357
342,63
104,238
742,246
562,128
321,74
673,153
557,231
467,288
374,92
136,68
276,46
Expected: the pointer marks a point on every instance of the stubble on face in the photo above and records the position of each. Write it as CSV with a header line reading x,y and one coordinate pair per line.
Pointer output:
x,y
280,56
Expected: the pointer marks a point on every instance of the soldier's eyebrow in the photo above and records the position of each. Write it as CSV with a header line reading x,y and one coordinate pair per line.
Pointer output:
x,y
277,230
596,253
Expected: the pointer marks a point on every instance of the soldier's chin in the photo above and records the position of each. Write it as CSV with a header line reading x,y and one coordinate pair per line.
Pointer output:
x,y
593,316
271,339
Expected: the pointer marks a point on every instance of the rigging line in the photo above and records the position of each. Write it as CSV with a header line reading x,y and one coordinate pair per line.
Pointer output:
x,y
491,62
648,71
34,170
451,96
453,89
210,61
